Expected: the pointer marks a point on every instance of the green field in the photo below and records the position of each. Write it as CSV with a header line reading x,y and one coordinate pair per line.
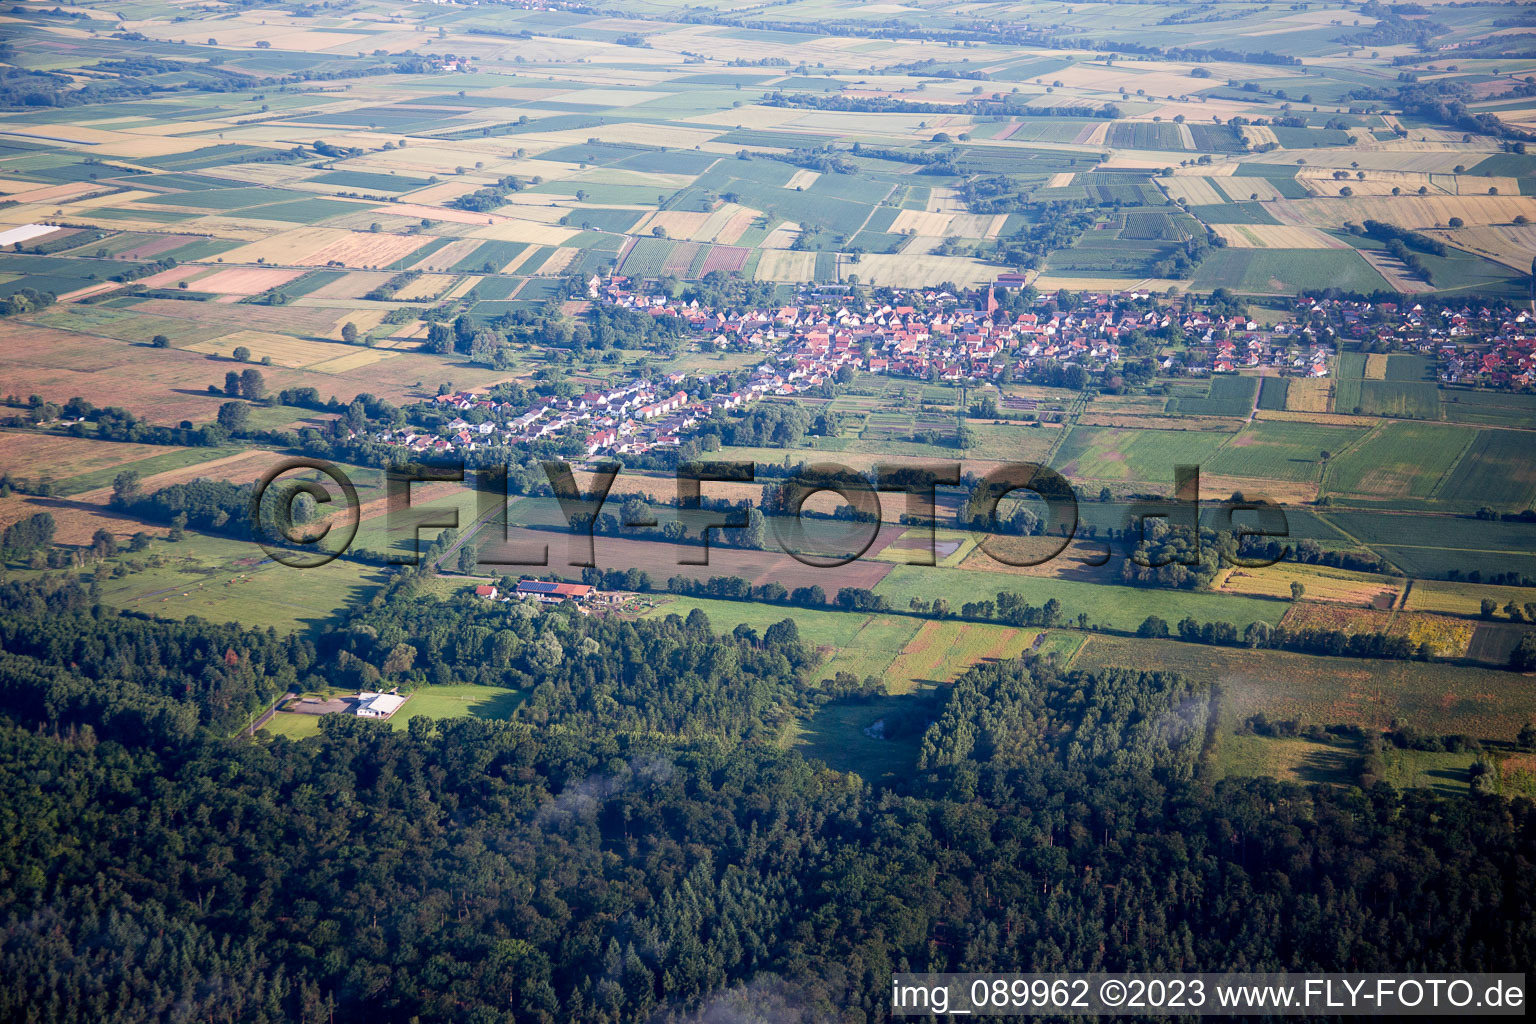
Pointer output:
x,y
1399,460
1400,399
1130,455
1116,607
1497,470
496,703
1291,759
1281,450
1229,395
1288,271
232,581
458,700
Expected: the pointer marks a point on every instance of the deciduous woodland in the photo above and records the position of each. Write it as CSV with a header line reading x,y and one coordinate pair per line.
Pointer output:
x,y
631,844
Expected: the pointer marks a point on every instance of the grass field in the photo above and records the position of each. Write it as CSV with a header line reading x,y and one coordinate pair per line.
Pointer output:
x,y
1286,758
1398,459
1440,698
1113,606
1109,454
1281,450
496,703
232,581
1288,271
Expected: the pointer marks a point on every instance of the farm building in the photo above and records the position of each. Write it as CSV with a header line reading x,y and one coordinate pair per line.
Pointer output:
x,y
487,591
554,593
378,705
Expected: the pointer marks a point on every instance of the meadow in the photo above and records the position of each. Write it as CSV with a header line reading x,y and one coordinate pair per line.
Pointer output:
x,y
1486,703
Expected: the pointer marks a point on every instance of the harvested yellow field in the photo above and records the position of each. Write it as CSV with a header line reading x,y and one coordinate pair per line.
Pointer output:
x,y
280,348
1309,394
1376,366
425,288
1327,419
1321,582
318,246
351,286
442,213
353,360
1055,282
945,200
802,179
737,226
448,255
459,290
676,223
112,199
1194,191
1451,598
1405,211
516,262
1510,244
977,225
781,237
728,218
1397,274
1060,180
1378,183
901,270
921,222
525,231
558,261
1097,136
1247,189
246,280
1276,236
363,319
784,265
1257,135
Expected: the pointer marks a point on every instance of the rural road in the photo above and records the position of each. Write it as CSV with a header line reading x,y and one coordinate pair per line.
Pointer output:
x,y
266,716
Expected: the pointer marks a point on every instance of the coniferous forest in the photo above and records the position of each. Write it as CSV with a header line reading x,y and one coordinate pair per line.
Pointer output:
x,y
632,845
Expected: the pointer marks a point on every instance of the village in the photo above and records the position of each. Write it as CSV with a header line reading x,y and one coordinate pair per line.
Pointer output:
x,y
967,338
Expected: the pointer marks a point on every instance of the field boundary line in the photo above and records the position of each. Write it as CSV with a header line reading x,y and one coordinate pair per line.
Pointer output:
x,y
1322,483
1450,471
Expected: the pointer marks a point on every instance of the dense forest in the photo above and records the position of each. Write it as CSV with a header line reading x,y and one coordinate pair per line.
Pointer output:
x,y
634,844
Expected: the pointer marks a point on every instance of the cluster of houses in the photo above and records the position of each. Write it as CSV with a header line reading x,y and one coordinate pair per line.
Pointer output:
x,y
1482,346
942,336
939,336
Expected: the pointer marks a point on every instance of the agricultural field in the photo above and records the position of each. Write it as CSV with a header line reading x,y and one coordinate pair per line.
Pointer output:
x,y
1125,456
1480,702
1397,459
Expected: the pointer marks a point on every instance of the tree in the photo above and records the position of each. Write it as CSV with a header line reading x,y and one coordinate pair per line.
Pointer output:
x,y
125,488
160,341
232,383
241,354
1523,659
1488,607
440,339
234,416
1526,740
469,559
349,333
253,386
401,658
1297,591
1152,626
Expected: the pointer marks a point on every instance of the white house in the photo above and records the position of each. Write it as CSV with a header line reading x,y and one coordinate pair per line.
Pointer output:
x,y
378,705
